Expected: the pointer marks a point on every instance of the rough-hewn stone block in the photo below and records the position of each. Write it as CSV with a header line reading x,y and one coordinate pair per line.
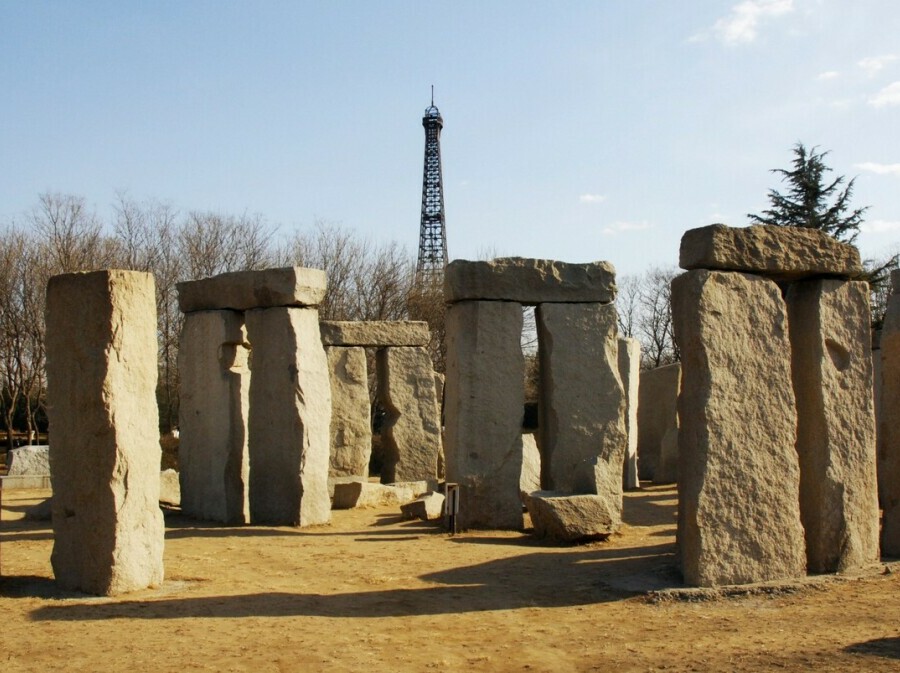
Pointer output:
x,y
290,417
832,374
361,494
630,373
531,464
582,408
105,455
571,518
739,477
484,399
529,281
658,423
411,434
781,253
889,427
213,459
375,333
428,507
28,461
244,290
351,424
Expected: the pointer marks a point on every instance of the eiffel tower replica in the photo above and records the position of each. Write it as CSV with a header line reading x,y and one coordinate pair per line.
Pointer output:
x,y
432,234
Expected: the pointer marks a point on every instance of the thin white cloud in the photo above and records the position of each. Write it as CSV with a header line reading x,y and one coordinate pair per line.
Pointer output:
x,y
742,24
622,227
879,169
889,95
879,226
872,64
592,198
829,74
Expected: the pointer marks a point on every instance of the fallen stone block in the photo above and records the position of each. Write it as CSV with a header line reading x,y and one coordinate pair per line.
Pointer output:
x,y
428,507
529,281
779,253
571,518
244,290
361,494
169,488
30,461
374,333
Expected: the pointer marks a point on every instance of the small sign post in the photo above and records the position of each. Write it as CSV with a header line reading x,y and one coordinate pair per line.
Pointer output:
x,y
451,505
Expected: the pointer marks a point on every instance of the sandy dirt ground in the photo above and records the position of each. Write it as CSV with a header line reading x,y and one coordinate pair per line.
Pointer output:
x,y
372,592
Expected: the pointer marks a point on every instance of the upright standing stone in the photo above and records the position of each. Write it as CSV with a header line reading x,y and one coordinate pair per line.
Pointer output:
x,y
484,399
290,402
889,427
105,456
658,423
214,382
351,424
412,429
582,408
832,374
739,478
630,373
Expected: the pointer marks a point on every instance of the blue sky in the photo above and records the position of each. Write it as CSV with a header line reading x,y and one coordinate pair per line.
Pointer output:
x,y
575,130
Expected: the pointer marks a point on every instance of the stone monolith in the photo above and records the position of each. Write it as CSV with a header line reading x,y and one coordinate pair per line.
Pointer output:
x,y
105,455
582,407
411,434
630,373
739,477
484,400
290,417
658,423
832,374
214,383
889,425
351,424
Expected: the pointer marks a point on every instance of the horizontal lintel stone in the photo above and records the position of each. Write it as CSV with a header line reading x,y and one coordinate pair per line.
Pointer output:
x,y
529,281
244,290
779,253
374,333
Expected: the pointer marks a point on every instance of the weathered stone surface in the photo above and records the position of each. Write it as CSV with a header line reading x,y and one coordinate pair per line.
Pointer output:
x,y
529,281
571,518
28,461
483,401
781,253
531,464
832,374
630,373
104,459
375,333
360,494
411,433
739,477
290,402
169,487
244,290
428,507
657,419
351,423
213,458
417,488
889,427
582,408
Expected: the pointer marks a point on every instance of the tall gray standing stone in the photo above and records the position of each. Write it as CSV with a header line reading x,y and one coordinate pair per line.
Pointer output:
x,y
484,401
832,374
105,457
412,429
630,373
739,477
889,425
215,384
351,425
658,423
290,417
582,408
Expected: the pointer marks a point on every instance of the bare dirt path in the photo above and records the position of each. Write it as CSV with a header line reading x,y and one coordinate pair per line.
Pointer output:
x,y
374,593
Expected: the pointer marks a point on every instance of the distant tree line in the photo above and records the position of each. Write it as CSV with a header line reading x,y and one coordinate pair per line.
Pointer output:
x,y
366,280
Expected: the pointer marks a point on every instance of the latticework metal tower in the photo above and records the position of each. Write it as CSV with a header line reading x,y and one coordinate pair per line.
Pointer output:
x,y
432,235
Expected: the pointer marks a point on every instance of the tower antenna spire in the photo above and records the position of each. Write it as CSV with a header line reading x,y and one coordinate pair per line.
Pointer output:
x,y
432,94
